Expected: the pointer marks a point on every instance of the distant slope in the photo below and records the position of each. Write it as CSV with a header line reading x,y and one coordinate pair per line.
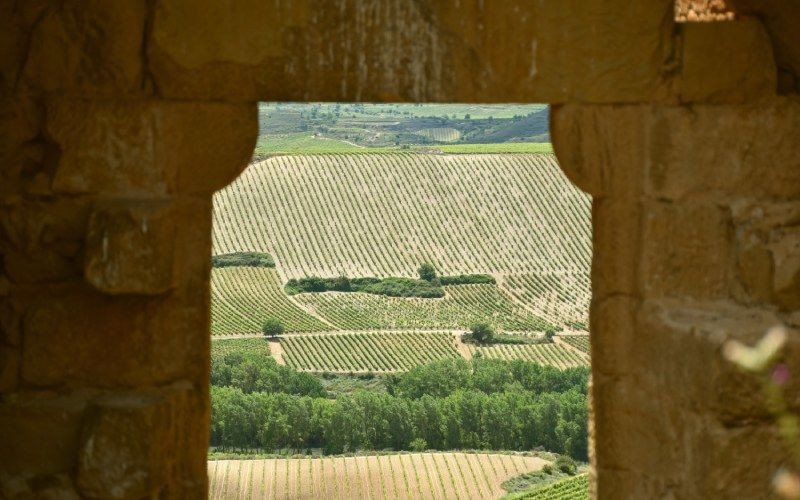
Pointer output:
x,y
511,215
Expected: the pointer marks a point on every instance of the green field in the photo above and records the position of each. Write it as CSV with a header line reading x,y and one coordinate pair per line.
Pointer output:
x,y
545,354
366,352
242,298
462,306
572,488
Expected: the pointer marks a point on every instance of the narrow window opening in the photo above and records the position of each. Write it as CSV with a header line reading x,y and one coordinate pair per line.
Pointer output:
x,y
400,300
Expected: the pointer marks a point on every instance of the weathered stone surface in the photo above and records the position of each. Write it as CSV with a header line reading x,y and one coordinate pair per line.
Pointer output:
x,y
129,443
78,338
781,18
21,154
687,251
9,369
84,48
130,248
768,252
616,247
40,435
673,152
726,62
42,242
136,148
45,487
585,143
383,50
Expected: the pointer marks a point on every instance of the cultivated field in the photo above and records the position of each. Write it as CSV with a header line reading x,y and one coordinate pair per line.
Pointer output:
x,y
242,298
514,216
572,488
367,351
462,306
580,342
412,475
544,354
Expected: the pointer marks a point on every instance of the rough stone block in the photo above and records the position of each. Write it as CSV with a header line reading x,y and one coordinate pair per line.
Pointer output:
x,y
85,48
9,369
616,247
515,50
768,252
129,444
726,62
682,347
130,248
45,487
687,250
40,434
615,345
725,152
149,148
601,148
75,338
20,152
42,241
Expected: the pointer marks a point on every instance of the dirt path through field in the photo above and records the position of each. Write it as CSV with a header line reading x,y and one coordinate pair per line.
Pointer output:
x,y
276,350
462,348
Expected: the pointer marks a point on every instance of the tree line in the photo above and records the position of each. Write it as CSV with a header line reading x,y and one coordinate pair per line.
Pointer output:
x,y
449,404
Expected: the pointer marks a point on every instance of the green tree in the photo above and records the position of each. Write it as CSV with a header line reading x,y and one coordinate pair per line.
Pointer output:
x,y
482,333
427,272
272,327
419,444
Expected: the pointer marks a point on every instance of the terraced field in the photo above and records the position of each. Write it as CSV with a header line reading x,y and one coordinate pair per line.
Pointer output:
x,y
441,134
242,298
223,346
580,342
381,215
545,354
366,351
462,306
412,475
572,488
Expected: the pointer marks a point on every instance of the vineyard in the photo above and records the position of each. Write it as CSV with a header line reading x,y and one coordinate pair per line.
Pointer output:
x,y
545,354
221,347
573,488
366,351
441,134
412,475
580,342
514,216
242,298
462,306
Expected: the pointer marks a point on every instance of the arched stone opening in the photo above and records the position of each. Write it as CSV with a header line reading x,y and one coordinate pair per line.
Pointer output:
x,y
118,125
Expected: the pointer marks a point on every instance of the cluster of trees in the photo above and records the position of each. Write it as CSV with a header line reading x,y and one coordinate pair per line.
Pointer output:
x,y
393,287
429,285
451,404
252,371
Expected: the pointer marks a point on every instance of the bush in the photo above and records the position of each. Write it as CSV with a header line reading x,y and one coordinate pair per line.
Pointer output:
x,y
427,272
468,279
547,469
549,334
566,465
419,444
242,259
272,327
482,333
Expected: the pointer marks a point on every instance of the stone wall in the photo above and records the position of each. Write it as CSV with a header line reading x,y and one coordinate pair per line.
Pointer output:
x,y
117,125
